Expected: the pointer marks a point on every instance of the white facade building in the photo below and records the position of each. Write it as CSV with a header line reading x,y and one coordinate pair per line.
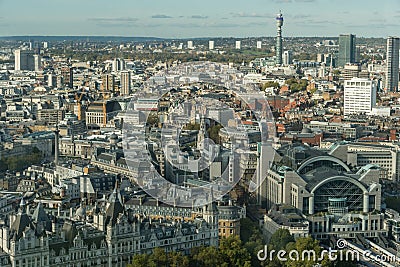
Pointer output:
x,y
211,45
37,62
287,58
190,45
238,45
359,96
113,237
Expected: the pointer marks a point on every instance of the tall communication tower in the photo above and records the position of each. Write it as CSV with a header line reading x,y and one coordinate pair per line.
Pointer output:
x,y
279,24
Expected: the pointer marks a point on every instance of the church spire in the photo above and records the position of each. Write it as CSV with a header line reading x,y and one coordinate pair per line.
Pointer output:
x,y
115,207
202,134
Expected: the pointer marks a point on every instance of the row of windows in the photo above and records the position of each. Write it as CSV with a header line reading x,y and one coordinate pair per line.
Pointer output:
x,y
224,231
358,84
225,224
31,261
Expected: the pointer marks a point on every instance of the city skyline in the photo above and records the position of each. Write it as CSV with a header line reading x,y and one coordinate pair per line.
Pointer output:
x,y
180,19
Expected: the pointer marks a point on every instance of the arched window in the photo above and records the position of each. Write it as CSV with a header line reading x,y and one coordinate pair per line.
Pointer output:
x,y
338,188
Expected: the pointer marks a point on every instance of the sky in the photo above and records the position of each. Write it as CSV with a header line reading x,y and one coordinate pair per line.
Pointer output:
x,y
200,18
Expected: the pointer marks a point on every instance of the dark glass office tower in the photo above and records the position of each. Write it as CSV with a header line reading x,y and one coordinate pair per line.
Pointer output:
x,y
347,49
392,64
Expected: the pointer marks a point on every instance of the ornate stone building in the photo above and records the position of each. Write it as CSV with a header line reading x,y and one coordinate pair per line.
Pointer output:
x,y
101,236
335,199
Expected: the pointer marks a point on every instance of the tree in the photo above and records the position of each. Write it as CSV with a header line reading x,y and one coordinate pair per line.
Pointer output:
x,y
234,253
305,56
159,257
252,248
177,259
207,257
306,259
280,239
152,119
192,127
213,133
296,85
275,85
18,163
307,247
140,260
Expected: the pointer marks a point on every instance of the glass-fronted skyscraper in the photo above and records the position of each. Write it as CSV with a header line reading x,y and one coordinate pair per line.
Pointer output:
x,y
347,49
392,64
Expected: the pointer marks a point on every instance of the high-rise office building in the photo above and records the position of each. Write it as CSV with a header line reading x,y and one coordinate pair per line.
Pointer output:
x,y
37,59
278,49
125,83
108,83
211,45
359,96
67,75
190,45
392,64
24,60
259,44
238,44
51,80
287,58
347,49
358,54
118,64
329,60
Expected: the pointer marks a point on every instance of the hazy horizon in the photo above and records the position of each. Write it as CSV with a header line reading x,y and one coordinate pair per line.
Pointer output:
x,y
188,38
177,19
